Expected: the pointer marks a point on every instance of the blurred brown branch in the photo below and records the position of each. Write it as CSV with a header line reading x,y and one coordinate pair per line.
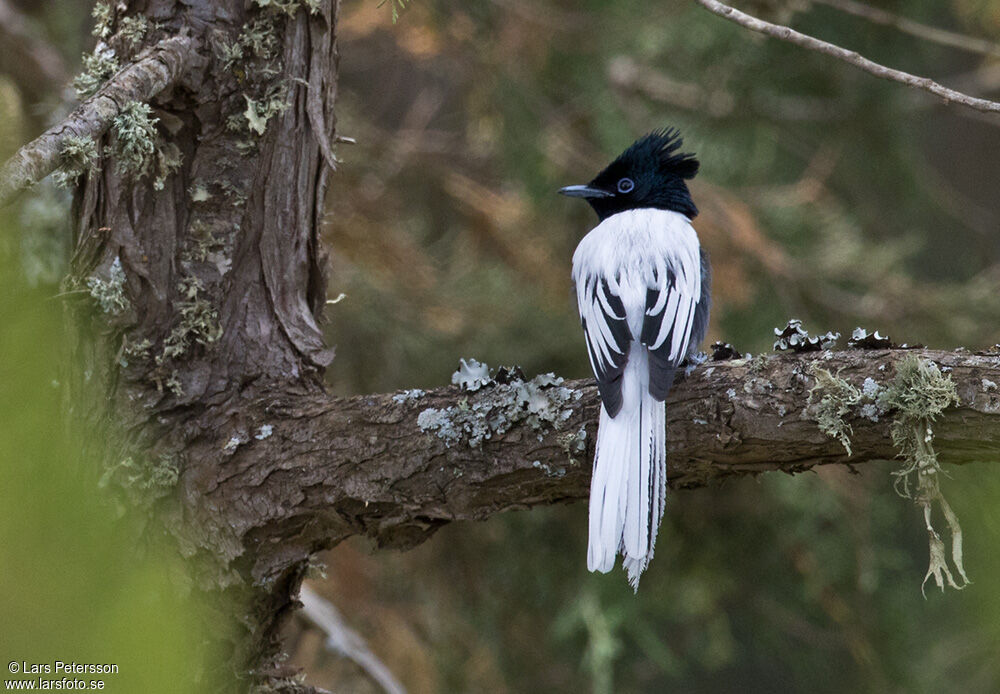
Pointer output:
x,y
35,65
851,57
344,641
141,80
908,26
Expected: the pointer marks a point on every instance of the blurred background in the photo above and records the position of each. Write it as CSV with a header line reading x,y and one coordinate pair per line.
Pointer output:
x,y
825,195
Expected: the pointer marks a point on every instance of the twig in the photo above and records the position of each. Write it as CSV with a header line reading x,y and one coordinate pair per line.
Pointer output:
x,y
787,34
141,80
908,26
343,640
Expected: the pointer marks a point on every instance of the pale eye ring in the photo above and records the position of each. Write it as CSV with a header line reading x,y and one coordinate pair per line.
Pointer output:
x,y
626,185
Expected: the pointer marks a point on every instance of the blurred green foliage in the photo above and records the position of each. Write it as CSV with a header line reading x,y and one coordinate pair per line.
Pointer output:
x,y
74,584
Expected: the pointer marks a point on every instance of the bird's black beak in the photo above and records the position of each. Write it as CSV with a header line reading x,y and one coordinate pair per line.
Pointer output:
x,y
585,192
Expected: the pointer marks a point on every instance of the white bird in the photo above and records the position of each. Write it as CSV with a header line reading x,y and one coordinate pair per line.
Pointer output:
x,y
643,290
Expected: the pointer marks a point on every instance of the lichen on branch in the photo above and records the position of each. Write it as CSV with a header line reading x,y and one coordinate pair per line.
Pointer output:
x,y
918,394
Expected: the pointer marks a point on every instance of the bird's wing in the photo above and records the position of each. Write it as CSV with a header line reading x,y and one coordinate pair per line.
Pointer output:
x,y
674,307
608,338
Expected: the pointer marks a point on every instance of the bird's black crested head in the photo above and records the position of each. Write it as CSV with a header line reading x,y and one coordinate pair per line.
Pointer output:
x,y
650,173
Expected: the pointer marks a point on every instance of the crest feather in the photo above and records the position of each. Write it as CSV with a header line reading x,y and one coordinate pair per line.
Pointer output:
x,y
663,144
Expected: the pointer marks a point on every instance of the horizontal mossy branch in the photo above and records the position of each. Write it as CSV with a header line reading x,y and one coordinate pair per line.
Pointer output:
x,y
395,467
141,80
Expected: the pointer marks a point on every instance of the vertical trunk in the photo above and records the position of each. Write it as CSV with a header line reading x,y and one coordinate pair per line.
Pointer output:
x,y
208,276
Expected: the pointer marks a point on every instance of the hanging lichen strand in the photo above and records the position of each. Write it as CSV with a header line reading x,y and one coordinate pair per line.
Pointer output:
x,y
915,397
918,395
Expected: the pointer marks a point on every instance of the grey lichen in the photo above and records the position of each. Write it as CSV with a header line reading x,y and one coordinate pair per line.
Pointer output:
x,y
133,351
109,291
77,156
173,384
265,432
862,339
199,321
97,68
834,397
289,7
408,395
168,160
103,14
133,29
548,469
574,443
540,404
259,112
143,478
235,441
134,143
471,375
917,395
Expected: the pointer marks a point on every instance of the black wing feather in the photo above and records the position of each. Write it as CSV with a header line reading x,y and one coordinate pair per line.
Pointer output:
x,y
609,366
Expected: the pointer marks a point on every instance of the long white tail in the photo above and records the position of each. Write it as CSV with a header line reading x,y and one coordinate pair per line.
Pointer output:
x,y
628,486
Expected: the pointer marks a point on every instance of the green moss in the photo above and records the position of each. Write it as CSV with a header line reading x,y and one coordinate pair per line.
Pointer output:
x,y
135,138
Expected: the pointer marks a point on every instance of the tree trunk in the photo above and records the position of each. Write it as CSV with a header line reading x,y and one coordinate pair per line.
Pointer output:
x,y
210,275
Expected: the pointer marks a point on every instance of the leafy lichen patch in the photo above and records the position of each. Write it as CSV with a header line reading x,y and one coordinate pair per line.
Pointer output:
x,y
542,403
836,397
97,68
289,7
143,478
103,15
133,29
109,291
199,320
77,156
135,137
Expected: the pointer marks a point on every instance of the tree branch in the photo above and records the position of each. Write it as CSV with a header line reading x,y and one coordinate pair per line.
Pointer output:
x,y
321,469
141,80
851,57
941,37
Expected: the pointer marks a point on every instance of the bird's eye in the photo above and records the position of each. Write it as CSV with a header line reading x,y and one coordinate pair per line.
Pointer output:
x,y
626,185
